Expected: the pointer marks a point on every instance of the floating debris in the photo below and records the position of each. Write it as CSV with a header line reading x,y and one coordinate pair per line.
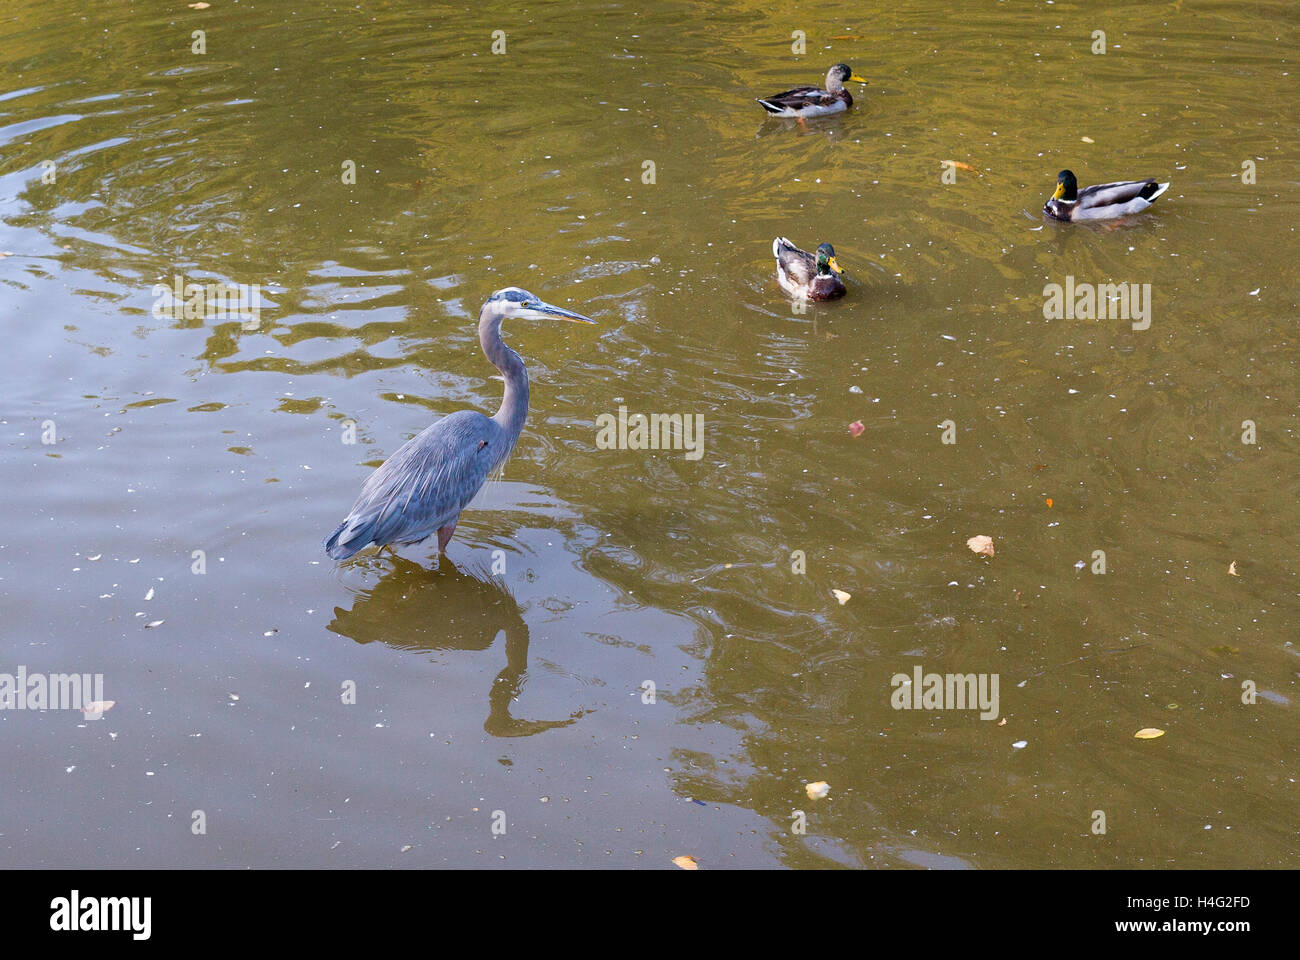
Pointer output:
x,y
817,790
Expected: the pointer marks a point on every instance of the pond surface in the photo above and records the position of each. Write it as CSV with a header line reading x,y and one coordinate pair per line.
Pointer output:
x,y
507,683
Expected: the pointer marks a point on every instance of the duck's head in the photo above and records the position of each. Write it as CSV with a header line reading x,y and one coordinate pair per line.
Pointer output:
x,y
839,75
826,264
1067,187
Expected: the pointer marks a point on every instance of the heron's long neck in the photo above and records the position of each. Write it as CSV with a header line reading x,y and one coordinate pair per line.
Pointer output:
x,y
514,405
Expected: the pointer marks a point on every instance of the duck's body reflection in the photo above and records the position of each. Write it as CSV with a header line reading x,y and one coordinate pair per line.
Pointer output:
x,y
414,608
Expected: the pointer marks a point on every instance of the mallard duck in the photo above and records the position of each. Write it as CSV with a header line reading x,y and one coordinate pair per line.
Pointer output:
x,y
814,102
1102,202
803,275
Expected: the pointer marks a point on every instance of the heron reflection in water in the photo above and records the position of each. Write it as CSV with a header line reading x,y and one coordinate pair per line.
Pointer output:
x,y
422,488
413,608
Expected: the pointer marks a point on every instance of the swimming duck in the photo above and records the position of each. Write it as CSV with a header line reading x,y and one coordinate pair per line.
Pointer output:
x,y
811,101
1102,202
803,275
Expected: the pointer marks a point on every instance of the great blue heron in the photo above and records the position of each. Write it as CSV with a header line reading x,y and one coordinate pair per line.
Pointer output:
x,y
422,488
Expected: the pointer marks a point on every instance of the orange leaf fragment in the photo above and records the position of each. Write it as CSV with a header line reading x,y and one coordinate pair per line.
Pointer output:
x,y
686,862
981,544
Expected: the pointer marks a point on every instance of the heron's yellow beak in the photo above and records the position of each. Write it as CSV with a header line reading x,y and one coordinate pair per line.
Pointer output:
x,y
854,77
834,265
1060,191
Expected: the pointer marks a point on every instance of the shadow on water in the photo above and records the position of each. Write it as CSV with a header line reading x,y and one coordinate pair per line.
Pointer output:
x,y
416,608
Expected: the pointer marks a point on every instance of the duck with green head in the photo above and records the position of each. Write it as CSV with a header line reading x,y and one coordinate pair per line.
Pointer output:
x,y
813,101
1103,202
806,276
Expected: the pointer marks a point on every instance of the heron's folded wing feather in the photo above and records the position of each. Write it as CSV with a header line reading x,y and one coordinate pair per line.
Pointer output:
x,y
429,480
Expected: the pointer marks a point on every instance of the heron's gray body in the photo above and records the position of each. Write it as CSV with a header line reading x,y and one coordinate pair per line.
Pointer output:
x,y
422,488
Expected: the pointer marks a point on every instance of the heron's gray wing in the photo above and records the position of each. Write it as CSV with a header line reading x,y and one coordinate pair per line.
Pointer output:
x,y
424,485
1112,194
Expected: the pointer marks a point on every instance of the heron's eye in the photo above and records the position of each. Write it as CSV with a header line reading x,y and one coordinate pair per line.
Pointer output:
x,y
482,444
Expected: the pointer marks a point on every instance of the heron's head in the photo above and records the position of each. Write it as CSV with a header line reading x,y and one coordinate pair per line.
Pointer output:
x,y
826,262
841,74
513,302
1067,187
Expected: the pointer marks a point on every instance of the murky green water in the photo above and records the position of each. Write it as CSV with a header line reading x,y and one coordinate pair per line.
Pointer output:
x,y
522,691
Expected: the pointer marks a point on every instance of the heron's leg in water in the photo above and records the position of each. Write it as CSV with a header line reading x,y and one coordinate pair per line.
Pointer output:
x,y
444,537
